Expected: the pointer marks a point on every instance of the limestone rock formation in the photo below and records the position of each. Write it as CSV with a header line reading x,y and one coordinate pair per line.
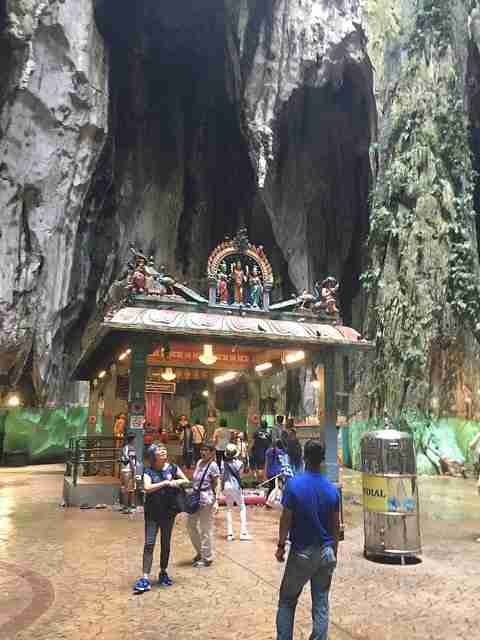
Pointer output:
x,y
423,279
167,124
53,121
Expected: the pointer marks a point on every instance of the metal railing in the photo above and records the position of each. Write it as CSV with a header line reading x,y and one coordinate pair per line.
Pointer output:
x,y
93,456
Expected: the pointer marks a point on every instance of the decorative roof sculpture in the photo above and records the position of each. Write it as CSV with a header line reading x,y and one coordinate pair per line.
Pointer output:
x,y
323,302
239,273
142,278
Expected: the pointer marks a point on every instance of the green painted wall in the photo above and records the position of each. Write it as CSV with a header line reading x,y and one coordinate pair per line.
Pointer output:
x,y
42,433
448,436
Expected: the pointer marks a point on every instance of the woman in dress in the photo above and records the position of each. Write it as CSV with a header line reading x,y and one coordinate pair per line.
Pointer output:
x,y
200,524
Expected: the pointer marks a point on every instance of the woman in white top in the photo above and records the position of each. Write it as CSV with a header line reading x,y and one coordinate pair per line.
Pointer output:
x,y
232,490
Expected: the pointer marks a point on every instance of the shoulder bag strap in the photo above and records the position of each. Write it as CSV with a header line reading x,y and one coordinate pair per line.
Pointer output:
x,y
203,477
234,473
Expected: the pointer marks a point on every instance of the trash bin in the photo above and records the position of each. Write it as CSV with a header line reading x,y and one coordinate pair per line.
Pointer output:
x,y
390,494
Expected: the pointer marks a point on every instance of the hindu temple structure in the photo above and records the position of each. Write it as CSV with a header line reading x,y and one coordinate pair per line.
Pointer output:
x,y
163,350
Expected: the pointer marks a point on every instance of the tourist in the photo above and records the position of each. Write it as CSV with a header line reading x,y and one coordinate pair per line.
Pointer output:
x,y
279,431
160,482
232,491
186,438
311,515
242,448
182,423
276,465
261,442
127,474
294,450
163,435
198,432
119,427
200,524
148,435
221,438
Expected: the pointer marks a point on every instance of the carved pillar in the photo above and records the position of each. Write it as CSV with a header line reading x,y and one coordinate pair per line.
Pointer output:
x,y
253,416
109,394
92,409
320,392
212,409
331,438
136,391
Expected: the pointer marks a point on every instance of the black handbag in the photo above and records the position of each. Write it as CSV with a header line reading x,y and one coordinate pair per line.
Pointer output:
x,y
188,500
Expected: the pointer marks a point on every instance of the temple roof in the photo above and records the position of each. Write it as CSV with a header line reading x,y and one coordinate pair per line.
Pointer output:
x,y
184,321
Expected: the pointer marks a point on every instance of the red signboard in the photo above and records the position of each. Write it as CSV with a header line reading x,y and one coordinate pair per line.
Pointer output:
x,y
188,354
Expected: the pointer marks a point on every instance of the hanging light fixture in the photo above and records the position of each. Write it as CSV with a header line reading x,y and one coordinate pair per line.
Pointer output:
x,y
265,366
205,393
225,377
207,357
296,356
14,400
169,374
102,374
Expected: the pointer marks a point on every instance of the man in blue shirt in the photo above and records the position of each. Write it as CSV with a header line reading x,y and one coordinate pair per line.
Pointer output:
x,y
311,513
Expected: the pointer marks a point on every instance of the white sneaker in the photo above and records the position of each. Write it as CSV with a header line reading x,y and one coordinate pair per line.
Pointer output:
x,y
245,536
230,537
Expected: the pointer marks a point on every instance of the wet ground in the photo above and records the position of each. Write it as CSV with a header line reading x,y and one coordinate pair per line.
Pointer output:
x,y
68,573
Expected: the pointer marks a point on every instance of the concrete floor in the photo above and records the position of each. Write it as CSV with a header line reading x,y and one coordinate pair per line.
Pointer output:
x,y
68,573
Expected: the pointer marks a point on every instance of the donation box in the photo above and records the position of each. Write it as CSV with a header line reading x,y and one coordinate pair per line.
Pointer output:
x,y
390,494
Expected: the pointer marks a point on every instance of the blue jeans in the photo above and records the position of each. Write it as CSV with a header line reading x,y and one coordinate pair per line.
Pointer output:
x,y
316,564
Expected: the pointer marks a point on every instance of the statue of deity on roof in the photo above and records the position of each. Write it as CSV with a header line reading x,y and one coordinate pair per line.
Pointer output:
x,y
222,284
256,288
238,277
328,296
138,278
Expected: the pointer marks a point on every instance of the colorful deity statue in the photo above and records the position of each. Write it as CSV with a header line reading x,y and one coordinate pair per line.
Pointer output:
x,y
328,296
223,284
256,287
138,279
238,277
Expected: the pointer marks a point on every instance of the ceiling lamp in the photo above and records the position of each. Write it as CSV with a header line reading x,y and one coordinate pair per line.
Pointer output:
x,y
265,366
125,354
205,393
297,356
102,374
14,400
169,375
207,357
226,377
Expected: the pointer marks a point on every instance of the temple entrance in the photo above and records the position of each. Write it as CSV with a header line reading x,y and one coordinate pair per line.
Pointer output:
x,y
166,355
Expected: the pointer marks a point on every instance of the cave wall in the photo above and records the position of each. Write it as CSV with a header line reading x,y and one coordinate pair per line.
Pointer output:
x,y
424,297
53,121
311,116
168,125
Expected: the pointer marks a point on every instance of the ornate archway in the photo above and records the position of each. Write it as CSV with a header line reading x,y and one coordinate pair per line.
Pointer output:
x,y
226,264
